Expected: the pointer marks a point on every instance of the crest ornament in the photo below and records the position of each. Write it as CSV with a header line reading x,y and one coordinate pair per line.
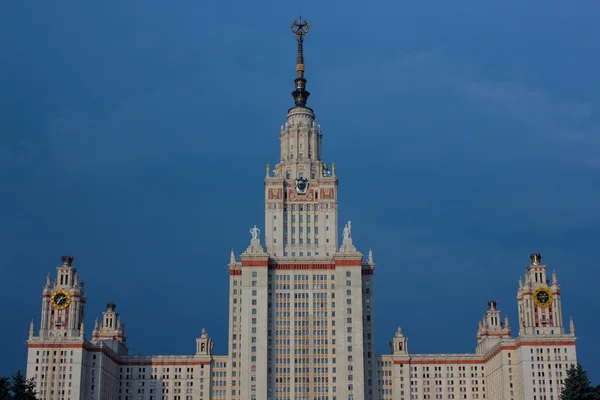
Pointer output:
x,y
301,185
300,28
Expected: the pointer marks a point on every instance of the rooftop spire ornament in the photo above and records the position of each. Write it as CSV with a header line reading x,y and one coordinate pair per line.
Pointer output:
x,y
300,95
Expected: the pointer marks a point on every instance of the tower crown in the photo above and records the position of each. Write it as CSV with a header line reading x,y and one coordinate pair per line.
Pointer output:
x,y
535,258
67,261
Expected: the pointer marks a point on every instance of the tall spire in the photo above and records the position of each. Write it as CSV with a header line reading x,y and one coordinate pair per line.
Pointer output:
x,y
300,94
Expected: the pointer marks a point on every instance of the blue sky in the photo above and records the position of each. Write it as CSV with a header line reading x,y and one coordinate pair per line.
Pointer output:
x,y
134,136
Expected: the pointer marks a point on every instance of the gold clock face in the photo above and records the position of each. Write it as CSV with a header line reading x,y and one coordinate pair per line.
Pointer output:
x,y
60,299
542,297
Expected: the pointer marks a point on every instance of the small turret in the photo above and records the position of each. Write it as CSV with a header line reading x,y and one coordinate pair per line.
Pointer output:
x,y
400,343
491,328
111,328
204,344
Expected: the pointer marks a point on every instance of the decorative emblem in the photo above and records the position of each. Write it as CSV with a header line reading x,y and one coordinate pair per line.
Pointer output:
x,y
542,297
327,193
300,28
301,185
274,193
60,299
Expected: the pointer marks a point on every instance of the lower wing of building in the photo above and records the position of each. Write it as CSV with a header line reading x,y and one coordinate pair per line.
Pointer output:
x,y
336,361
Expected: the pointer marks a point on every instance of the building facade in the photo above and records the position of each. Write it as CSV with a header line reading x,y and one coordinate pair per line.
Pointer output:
x,y
301,322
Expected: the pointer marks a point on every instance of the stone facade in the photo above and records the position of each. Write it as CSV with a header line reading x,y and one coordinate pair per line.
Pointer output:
x,y
301,317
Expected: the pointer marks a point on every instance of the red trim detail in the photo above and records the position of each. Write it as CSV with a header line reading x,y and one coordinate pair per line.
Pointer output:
x,y
235,272
301,266
489,357
425,362
255,263
349,263
56,345
167,363
108,353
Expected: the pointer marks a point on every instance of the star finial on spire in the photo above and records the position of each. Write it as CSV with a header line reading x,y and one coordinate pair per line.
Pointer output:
x,y
300,95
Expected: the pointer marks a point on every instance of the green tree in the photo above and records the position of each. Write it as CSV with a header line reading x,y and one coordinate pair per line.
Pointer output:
x,y
578,386
21,388
4,388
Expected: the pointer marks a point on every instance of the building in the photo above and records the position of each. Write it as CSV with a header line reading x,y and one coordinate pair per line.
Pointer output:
x,y
531,366
301,323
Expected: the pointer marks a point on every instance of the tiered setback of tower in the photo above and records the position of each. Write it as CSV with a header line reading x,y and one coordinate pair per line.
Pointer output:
x,y
301,316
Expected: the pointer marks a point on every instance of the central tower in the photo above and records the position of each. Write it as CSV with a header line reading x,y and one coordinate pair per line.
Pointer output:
x,y
301,309
301,191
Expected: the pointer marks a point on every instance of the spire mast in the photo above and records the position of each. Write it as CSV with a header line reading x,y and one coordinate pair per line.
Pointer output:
x,y
300,94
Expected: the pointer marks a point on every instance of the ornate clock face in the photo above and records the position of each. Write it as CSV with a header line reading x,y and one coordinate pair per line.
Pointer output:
x,y
542,297
301,185
60,299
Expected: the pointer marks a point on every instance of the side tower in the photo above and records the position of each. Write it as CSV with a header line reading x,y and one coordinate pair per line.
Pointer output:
x,y
60,343
540,305
543,344
63,303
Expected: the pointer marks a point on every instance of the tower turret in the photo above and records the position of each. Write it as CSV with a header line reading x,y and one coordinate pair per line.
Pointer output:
x,y
111,331
300,192
491,328
63,302
540,305
204,345
399,343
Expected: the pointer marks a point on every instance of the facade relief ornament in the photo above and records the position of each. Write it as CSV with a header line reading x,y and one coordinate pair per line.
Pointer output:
x,y
327,193
275,194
